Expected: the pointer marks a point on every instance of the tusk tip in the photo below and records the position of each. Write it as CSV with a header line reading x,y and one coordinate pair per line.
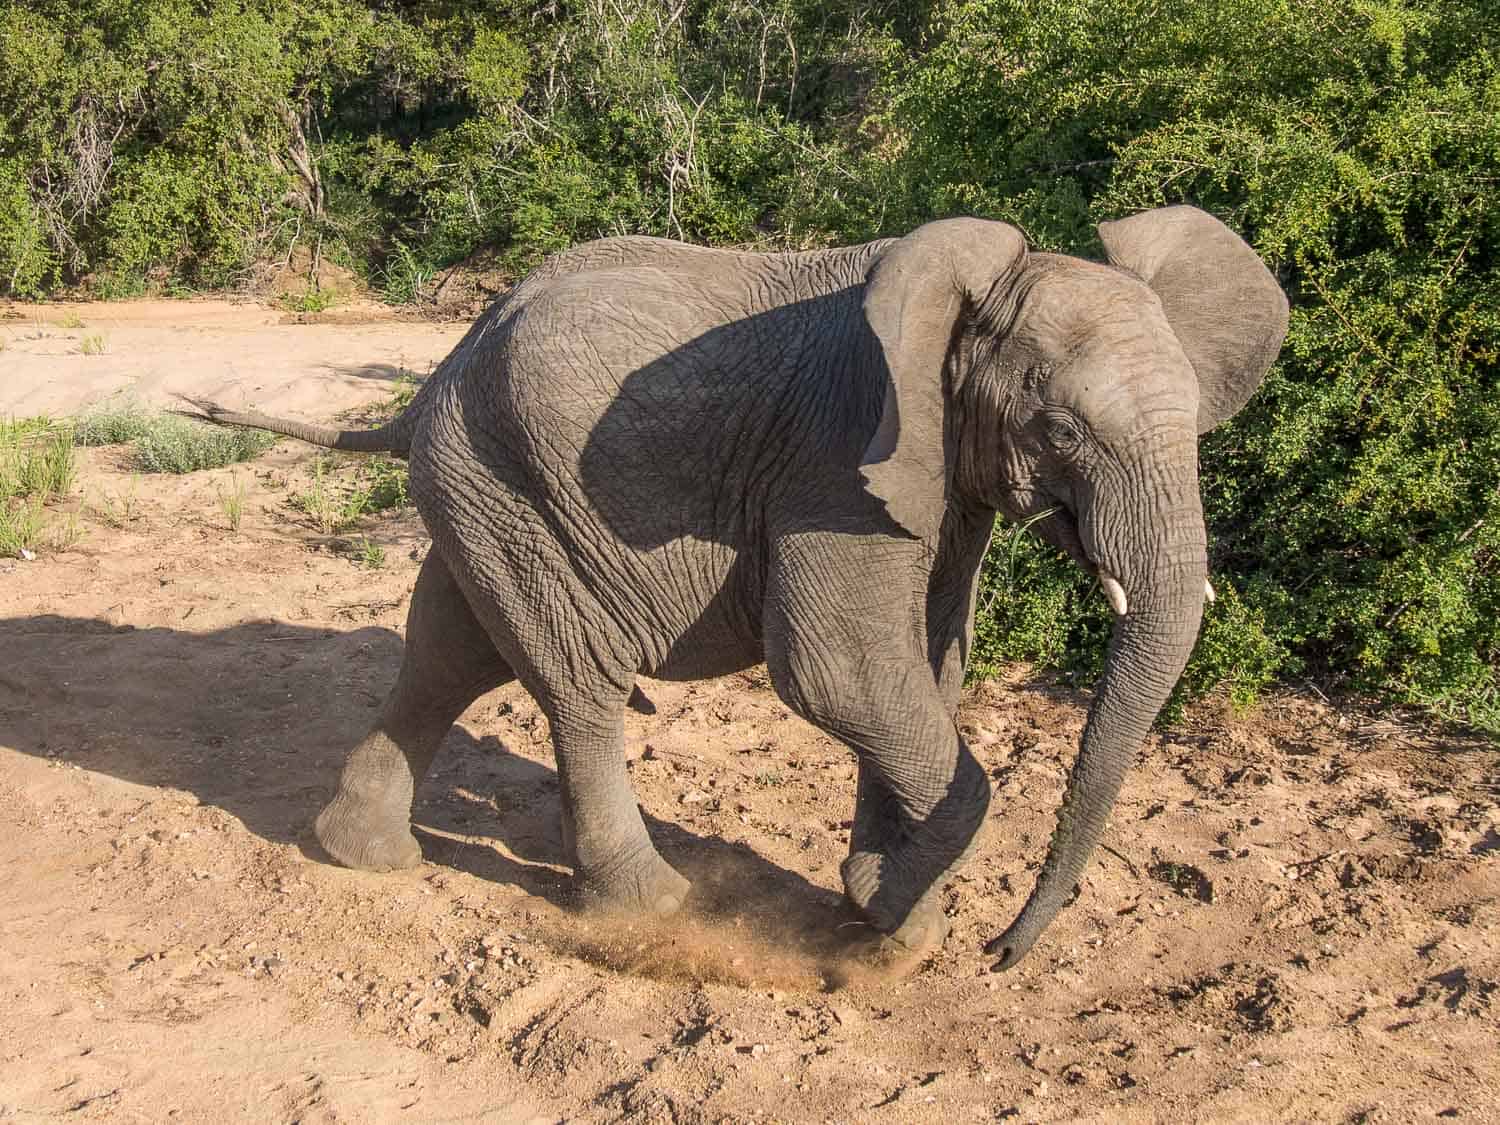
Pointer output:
x,y
1114,592
1208,592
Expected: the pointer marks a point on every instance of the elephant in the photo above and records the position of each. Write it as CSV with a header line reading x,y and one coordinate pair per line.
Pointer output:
x,y
661,459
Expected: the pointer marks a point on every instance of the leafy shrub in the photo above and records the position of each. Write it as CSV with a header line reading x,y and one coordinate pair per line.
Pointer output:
x,y
337,501
114,423
180,445
1353,506
168,443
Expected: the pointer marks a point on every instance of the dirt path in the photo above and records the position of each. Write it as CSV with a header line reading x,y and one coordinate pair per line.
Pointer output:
x,y
1298,916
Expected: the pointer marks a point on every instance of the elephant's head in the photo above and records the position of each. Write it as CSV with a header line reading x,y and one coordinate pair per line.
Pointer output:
x,y
1072,393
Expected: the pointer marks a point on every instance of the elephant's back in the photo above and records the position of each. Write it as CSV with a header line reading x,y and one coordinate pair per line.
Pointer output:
x,y
639,403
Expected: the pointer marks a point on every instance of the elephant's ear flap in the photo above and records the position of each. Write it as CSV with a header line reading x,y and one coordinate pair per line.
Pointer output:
x,y
1224,305
916,296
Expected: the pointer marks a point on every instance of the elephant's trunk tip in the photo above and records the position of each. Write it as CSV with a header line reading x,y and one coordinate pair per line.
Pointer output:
x,y
1013,944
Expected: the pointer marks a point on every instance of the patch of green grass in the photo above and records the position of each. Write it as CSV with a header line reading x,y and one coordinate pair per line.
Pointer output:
x,y
36,459
166,443
21,523
72,320
386,479
232,502
321,501
180,445
402,392
313,301
369,554
37,464
93,344
336,503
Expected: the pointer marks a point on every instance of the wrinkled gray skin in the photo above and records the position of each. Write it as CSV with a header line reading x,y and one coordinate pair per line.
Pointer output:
x,y
655,458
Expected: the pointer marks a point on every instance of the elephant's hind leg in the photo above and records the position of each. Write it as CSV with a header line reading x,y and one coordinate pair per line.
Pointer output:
x,y
449,661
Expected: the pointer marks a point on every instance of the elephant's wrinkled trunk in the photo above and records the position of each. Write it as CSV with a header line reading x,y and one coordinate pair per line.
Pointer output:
x,y
1147,652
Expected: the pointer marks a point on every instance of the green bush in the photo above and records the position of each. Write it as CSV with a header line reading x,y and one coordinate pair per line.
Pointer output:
x,y
167,443
179,445
114,423
1352,507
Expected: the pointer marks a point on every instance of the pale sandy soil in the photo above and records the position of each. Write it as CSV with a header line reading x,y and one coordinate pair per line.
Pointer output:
x,y
1298,917
243,353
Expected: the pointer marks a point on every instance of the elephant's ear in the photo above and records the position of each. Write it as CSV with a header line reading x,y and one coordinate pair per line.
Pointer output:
x,y
1225,307
917,293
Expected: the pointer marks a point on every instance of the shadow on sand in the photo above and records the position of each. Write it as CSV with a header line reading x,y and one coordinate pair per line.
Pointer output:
x,y
256,719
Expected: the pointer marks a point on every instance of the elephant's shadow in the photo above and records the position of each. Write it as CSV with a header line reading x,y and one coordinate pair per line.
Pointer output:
x,y
256,718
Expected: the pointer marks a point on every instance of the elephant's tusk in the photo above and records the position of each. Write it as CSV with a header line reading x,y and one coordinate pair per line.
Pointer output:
x,y
1113,591
1208,592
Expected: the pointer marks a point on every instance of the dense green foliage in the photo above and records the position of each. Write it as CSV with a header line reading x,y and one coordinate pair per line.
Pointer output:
x,y
1353,505
1356,143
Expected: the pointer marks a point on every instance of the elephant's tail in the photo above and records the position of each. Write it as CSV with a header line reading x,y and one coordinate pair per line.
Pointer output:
x,y
393,437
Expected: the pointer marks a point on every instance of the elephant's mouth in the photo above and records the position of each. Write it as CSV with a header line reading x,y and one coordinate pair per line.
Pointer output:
x,y
1059,526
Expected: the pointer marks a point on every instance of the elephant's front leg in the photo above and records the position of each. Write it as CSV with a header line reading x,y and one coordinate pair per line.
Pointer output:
x,y
923,813
951,591
846,653
614,860
877,828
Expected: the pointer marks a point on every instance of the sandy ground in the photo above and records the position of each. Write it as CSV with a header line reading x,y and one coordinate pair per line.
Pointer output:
x,y
1297,917
241,353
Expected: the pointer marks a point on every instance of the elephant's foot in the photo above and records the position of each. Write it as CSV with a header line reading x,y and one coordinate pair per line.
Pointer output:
x,y
644,884
911,932
367,837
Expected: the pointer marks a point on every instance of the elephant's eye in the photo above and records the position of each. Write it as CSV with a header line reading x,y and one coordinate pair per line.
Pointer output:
x,y
1063,432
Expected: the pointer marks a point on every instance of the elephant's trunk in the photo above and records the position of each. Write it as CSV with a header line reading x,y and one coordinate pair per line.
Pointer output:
x,y
1147,652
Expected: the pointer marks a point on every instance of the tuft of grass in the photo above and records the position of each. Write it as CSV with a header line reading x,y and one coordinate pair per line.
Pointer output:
x,y
369,554
180,445
37,464
232,502
116,423
68,534
118,510
71,321
166,443
36,459
313,301
92,344
320,501
334,504
405,276
21,524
